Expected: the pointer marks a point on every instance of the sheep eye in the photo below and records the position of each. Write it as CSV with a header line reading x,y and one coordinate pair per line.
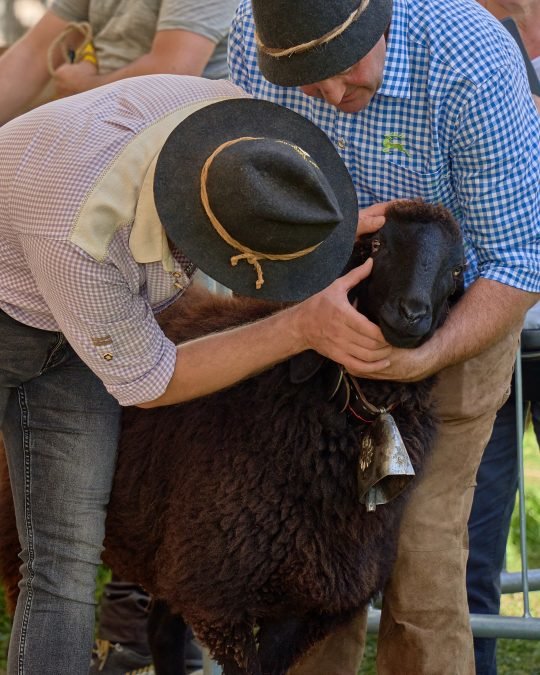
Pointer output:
x,y
456,272
375,245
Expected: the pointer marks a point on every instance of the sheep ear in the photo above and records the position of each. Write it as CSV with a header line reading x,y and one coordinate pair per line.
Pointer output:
x,y
304,366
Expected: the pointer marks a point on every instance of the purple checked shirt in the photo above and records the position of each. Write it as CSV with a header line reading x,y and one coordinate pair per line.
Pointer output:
x,y
70,179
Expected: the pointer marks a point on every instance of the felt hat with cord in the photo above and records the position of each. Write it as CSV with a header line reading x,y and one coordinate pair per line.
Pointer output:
x,y
258,198
304,41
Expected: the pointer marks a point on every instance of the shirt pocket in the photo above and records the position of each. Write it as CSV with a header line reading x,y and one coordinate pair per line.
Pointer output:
x,y
397,180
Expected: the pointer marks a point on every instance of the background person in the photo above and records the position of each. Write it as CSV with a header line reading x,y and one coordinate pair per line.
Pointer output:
x,y
131,37
16,17
526,14
422,99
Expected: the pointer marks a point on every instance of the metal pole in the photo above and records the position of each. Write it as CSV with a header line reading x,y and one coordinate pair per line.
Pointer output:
x,y
484,625
521,474
512,582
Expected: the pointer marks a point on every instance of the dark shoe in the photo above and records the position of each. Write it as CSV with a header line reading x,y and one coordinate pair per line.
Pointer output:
x,y
113,659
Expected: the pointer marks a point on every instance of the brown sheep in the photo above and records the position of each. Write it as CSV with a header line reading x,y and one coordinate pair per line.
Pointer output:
x,y
240,511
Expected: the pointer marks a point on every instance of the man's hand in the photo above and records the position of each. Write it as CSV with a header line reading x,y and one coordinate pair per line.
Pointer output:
x,y
325,322
72,78
485,314
409,365
329,324
372,218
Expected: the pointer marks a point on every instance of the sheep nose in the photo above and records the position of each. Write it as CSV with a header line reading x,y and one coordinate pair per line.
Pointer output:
x,y
413,310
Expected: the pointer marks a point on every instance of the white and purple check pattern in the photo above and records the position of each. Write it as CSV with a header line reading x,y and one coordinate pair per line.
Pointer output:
x,y
452,122
51,159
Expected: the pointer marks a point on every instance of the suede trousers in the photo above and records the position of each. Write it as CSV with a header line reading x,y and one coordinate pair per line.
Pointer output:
x,y
425,628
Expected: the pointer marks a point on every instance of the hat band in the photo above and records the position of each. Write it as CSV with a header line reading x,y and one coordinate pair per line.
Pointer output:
x,y
249,255
277,53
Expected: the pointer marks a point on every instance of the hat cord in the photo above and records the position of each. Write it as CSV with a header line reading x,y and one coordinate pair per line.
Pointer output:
x,y
277,52
249,255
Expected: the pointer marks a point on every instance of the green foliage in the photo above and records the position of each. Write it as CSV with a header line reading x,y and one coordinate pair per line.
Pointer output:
x,y
368,663
531,455
532,512
5,626
518,657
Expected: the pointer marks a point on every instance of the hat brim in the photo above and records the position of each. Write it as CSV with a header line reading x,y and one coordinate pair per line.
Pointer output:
x,y
177,198
335,56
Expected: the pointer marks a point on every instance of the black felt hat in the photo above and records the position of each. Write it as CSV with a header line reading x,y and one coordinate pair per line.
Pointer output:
x,y
258,198
305,41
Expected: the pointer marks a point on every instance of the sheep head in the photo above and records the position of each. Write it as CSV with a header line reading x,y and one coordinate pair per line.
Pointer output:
x,y
418,269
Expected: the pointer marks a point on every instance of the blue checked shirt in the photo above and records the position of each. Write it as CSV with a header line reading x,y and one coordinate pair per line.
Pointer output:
x,y
452,122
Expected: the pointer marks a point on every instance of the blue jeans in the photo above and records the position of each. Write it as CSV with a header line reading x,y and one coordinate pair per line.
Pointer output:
x,y
489,524
60,429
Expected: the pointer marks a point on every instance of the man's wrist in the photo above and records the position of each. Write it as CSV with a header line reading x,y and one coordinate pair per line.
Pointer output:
x,y
430,357
293,321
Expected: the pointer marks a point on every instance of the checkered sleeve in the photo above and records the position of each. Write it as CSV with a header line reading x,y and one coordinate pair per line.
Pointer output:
x,y
238,70
105,318
496,175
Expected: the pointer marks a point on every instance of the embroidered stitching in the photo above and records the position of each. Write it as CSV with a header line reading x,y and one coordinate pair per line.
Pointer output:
x,y
394,141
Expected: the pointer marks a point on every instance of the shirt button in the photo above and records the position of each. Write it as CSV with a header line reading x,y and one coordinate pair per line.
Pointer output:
x,y
177,274
108,356
341,143
177,284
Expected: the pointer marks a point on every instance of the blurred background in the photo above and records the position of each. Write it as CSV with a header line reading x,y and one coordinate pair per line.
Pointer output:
x,y
16,16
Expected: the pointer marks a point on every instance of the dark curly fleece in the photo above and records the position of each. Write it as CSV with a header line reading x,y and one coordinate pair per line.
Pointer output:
x,y
241,509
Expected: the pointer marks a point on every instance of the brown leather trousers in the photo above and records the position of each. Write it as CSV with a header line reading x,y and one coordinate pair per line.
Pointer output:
x,y
425,618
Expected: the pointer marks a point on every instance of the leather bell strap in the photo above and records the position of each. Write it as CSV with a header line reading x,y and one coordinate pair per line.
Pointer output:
x,y
344,386
249,255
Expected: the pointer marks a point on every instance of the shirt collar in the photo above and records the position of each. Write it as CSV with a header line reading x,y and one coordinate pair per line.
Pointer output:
x,y
148,240
397,76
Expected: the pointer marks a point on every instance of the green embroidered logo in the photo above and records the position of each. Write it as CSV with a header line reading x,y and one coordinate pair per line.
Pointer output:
x,y
394,142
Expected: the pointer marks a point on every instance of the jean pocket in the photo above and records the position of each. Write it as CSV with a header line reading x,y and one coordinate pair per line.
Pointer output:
x,y
25,351
56,352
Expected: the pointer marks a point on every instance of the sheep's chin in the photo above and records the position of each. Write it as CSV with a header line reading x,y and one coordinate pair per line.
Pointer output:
x,y
402,340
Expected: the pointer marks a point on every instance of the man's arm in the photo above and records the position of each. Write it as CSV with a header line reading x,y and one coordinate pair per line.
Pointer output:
x,y
487,312
179,52
498,194
23,68
326,322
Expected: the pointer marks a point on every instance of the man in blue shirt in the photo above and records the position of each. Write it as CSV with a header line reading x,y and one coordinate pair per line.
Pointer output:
x,y
422,99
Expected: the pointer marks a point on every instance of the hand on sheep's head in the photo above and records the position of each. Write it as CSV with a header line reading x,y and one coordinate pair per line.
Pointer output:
x,y
371,218
330,325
